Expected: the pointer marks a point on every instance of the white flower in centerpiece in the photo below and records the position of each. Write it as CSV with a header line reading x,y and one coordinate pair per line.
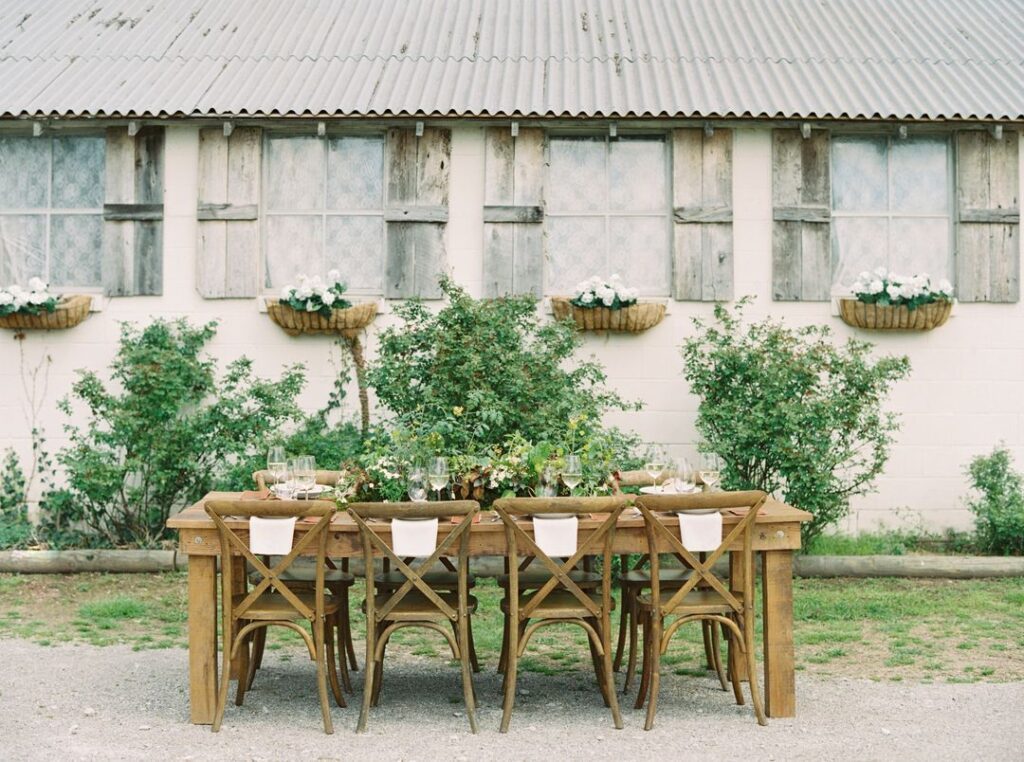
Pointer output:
x,y
587,297
893,291
327,298
38,297
6,298
303,291
36,284
875,287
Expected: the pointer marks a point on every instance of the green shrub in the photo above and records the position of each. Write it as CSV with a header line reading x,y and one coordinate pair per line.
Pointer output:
x,y
999,510
156,440
15,528
478,371
790,412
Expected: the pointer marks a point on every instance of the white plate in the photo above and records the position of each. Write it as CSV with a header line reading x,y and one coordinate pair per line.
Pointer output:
x,y
652,490
317,489
553,515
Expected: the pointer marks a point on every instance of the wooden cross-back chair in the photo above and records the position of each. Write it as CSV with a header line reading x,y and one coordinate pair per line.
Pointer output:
x,y
634,578
415,603
273,601
338,581
704,596
561,599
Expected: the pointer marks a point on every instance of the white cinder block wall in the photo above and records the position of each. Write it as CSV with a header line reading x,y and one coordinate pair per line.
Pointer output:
x,y
965,393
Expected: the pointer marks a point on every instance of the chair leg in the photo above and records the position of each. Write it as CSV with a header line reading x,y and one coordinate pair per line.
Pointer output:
x,y
467,676
321,674
654,625
716,655
511,666
634,636
609,677
705,631
225,679
734,673
243,669
473,660
620,647
378,666
598,661
342,669
371,645
346,621
332,665
256,660
503,655
645,669
755,690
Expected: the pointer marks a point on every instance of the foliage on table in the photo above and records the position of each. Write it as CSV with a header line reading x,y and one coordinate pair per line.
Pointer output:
x,y
316,295
154,441
35,300
475,372
790,412
999,508
600,292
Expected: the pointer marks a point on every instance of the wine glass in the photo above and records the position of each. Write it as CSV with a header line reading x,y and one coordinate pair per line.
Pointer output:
x,y
305,474
710,470
548,484
277,464
684,476
438,474
417,486
655,464
572,473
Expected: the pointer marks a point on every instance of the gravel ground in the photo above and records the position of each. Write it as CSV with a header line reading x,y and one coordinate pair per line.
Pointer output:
x,y
82,702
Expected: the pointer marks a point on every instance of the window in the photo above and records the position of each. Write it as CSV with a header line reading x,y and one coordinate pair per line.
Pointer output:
x,y
51,209
323,209
607,211
891,202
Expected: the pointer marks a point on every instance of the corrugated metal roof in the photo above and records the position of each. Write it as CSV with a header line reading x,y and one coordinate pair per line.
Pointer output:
x,y
902,59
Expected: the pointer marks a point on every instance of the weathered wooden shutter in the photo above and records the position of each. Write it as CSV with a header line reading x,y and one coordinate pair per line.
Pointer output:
x,y
513,212
801,232
702,201
988,218
133,213
416,212
228,242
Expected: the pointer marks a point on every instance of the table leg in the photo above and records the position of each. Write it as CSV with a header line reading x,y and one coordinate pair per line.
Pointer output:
x,y
202,637
736,662
779,674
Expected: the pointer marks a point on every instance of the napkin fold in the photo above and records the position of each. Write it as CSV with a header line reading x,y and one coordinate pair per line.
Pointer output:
x,y
700,531
414,538
271,537
556,537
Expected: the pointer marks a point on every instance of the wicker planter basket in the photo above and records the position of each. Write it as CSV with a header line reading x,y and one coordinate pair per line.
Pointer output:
x,y
348,322
633,319
885,317
71,310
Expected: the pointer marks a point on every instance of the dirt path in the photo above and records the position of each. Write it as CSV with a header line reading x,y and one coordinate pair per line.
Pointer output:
x,y
84,702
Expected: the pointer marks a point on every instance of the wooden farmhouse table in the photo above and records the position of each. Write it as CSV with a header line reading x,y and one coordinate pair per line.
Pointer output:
x,y
777,536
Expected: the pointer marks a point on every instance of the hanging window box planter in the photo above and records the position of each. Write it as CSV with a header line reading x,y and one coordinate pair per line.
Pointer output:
x,y
888,302
607,305
317,307
38,309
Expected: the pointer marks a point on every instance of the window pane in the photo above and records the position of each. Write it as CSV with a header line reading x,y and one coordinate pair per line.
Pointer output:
x,y
859,243
294,245
24,172
355,246
22,248
920,246
920,180
576,177
295,176
860,176
79,171
638,251
355,173
76,250
574,249
636,179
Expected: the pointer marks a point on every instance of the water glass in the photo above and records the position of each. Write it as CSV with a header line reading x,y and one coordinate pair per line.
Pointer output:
x,y
710,470
438,474
572,474
277,464
417,486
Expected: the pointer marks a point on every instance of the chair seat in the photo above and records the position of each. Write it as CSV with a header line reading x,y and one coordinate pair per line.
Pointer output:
x,y
307,573
276,606
558,604
705,601
534,578
416,607
668,577
439,580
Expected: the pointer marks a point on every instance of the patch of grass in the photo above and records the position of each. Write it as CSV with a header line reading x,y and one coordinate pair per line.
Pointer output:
x,y
120,607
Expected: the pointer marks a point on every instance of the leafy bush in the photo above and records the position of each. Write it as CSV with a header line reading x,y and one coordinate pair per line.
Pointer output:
x,y
790,412
157,442
999,510
477,372
15,528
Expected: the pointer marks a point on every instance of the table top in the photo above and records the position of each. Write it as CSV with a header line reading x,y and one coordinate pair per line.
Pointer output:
x,y
773,512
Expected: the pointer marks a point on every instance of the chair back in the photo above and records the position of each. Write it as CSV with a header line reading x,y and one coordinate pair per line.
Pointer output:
x,y
327,478
231,543
454,542
598,542
661,538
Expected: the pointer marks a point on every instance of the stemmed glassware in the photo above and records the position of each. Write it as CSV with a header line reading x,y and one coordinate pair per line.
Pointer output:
x,y
417,485
304,474
684,476
438,474
710,470
572,473
655,465
277,465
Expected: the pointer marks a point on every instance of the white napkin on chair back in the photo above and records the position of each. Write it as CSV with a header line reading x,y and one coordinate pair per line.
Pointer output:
x,y
556,537
700,531
271,537
417,538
